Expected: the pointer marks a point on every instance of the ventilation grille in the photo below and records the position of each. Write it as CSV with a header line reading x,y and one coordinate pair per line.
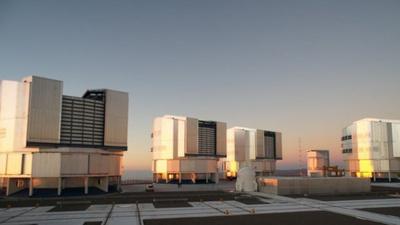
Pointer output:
x,y
82,121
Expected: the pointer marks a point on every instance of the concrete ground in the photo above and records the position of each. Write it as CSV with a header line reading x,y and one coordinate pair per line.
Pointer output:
x,y
386,184
201,207
392,211
205,207
296,218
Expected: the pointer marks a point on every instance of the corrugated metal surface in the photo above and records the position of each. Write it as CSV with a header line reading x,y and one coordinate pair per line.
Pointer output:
x,y
221,138
181,137
260,151
98,164
230,144
163,136
14,164
44,110
278,139
396,139
46,164
192,131
27,164
241,144
74,164
13,115
114,165
198,166
3,163
116,118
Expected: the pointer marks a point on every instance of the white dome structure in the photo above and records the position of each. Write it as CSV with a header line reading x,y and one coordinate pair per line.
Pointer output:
x,y
246,180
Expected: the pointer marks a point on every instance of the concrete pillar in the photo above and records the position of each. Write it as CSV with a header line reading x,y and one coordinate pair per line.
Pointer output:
x,y
180,178
30,187
119,183
216,178
86,184
166,178
390,177
206,178
193,178
59,187
105,184
157,175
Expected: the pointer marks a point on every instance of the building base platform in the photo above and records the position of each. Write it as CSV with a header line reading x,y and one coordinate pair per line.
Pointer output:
x,y
313,185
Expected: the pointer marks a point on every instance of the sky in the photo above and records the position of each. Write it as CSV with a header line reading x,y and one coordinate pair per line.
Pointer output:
x,y
304,68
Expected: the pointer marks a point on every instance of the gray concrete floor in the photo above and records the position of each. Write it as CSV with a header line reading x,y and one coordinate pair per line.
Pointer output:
x,y
213,211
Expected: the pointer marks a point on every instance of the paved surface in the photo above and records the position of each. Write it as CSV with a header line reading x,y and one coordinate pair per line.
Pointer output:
x,y
393,211
297,218
280,209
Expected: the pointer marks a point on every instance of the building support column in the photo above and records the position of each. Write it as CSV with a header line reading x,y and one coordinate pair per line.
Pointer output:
x,y
106,183
59,187
374,176
390,177
216,178
156,179
180,178
193,178
30,187
206,178
119,184
166,178
86,184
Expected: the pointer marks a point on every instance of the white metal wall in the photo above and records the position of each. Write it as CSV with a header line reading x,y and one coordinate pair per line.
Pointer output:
x,y
221,138
192,132
44,116
14,99
116,118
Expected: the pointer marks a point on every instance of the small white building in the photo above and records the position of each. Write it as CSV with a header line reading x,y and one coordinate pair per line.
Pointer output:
x,y
371,148
52,141
254,148
187,149
317,163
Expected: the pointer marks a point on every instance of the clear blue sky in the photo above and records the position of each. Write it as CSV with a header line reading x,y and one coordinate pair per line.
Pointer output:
x,y
305,68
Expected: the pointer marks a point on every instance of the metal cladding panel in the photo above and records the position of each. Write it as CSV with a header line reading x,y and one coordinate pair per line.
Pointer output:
x,y
180,126
251,154
241,144
27,161
74,164
44,118
163,136
46,164
396,139
278,143
98,164
221,139
394,164
114,165
260,153
14,164
379,140
160,166
3,163
173,165
230,144
116,118
14,99
192,133
198,166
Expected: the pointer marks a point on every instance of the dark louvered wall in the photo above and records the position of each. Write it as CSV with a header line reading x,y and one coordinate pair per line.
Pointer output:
x,y
82,121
